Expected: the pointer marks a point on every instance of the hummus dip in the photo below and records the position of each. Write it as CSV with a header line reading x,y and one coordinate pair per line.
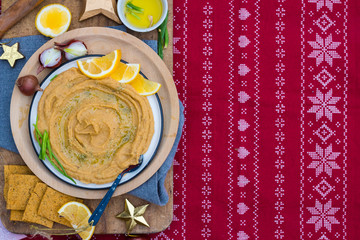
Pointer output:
x,y
97,128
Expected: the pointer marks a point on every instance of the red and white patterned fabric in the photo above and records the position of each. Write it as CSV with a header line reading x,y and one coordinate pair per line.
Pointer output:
x,y
271,92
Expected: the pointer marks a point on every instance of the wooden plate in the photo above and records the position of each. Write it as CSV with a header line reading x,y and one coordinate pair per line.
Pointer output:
x,y
99,41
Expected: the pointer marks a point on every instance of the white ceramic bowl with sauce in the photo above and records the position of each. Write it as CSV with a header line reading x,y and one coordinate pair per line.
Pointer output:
x,y
120,9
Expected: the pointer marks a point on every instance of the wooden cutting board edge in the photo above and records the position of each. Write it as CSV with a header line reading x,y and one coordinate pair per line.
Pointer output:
x,y
159,217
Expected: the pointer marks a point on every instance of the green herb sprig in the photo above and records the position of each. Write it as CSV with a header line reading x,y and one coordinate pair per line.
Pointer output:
x,y
46,151
163,36
134,10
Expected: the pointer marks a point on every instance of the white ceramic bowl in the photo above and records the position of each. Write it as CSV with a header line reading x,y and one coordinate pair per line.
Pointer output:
x,y
121,13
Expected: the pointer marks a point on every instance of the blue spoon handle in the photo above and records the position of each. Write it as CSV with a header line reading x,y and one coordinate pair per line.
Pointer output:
x,y
104,202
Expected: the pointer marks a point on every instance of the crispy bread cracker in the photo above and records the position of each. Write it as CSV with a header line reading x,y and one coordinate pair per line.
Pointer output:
x,y
31,210
20,188
13,169
50,204
16,215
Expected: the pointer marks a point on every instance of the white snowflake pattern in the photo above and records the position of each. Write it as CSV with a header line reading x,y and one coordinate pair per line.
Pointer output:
x,y
321,3
324,77
208,10
323,215
279,205
324,104
280,53
324,160
324,49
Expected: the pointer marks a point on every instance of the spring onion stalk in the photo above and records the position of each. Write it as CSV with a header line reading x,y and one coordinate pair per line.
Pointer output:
x,y
136,16
166,43
134,7
163,36
134,10
45,148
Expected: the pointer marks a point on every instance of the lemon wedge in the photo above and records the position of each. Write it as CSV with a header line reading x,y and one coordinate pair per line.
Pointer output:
x,y
100,67
78,215
53,20
144,87
125,73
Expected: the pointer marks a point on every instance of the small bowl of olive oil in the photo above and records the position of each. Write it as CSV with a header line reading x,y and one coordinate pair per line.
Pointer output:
x,y
142,15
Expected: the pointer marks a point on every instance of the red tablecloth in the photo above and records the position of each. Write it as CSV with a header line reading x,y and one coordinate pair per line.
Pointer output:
x,y
272,102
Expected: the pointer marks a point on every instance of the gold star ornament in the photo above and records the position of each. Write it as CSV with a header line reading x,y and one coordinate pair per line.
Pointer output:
x,y
95,7
133,215
11,54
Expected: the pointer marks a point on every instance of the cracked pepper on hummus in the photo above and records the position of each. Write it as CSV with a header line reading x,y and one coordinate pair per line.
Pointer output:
x,y
97,128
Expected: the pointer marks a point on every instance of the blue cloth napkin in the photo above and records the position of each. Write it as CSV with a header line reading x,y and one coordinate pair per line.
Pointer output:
x,y
27,46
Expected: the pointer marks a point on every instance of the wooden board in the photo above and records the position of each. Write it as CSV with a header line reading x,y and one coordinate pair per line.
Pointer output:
x,y
158,217
99,40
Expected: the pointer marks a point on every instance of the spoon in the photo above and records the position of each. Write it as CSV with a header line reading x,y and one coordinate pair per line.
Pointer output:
x,y
94,218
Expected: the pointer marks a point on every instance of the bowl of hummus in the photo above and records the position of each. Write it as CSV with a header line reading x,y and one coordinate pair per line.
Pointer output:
x,y
97,128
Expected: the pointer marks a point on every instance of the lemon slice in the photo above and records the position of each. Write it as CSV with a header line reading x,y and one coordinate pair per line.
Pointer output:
x,y
145,87
53,20
100,67
125,73
78,215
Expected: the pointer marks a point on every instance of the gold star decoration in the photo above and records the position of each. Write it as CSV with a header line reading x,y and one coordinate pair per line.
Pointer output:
x,y
11,54
133,215
95,7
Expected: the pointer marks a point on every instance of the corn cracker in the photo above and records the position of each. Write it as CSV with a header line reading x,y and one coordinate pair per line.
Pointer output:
x,y
20,188
13,169
31,210
16,215
50,204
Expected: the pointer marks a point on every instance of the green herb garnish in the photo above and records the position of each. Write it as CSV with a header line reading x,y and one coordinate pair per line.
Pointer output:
x,y
46,152
134,10
134,14
54,77
163,36
134,7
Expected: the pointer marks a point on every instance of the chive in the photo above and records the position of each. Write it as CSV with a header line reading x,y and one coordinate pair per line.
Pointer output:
x,y
132,6
40,154
43,146
163,25
37,137
52,155
159,46
50,81
134,15
166,43
37,133
54,165
63,172
136,11
163,36
49,149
